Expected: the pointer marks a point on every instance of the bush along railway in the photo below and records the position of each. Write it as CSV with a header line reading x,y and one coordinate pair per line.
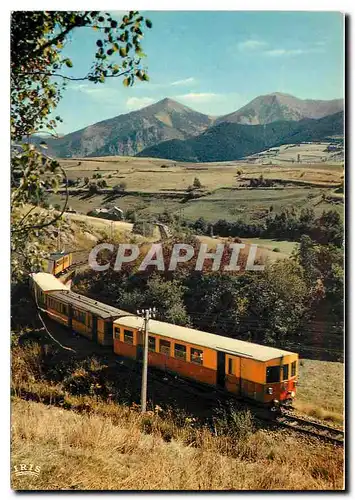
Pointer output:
x,y
226,367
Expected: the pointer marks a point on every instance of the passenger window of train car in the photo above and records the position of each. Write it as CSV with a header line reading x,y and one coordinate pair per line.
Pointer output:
x,y
151,343
230,366
285,372
164,347
196,356
272,374
293,368
117,333
180,351
128,336
79,316
59,307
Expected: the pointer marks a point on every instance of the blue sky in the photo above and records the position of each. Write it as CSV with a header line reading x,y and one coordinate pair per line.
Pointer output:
x,y
214,62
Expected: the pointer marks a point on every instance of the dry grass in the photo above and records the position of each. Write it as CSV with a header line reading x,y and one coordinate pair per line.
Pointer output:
x,y
90,452
85,442
152,175
320,392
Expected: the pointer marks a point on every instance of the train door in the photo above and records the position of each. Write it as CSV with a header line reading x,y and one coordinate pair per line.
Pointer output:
x,y
94,328
221,368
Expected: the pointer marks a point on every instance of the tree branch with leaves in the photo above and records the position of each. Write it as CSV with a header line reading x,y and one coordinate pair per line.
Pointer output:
x,y
39,75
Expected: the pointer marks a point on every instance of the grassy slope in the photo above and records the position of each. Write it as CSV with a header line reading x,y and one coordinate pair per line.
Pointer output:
x,y
227,204
321,389
92,452
99,444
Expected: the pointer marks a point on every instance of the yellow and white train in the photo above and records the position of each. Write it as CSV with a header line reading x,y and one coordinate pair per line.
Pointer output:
x,y
255,372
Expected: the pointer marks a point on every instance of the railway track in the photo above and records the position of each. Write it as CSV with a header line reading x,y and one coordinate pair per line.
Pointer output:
x,y
291,421
305,426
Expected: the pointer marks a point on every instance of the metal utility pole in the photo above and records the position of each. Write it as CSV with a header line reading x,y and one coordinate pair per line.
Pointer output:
x,y
146,314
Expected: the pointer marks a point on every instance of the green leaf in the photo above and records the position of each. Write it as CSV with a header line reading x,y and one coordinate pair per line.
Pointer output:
x,y
99,43
123,52
148,23
68,63
126,82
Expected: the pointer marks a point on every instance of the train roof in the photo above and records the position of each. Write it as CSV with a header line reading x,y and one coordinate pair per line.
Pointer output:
x,y
204,339
47,282
98,308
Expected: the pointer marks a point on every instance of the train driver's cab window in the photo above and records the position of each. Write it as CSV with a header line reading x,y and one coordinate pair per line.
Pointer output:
x,y
196,356
151,343
164,347
293,368
285,372
128,336
180,351
272,374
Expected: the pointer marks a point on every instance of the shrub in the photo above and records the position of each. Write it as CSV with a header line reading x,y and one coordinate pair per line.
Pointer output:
x,y
92,187
119,188
276,249
197,183
144,228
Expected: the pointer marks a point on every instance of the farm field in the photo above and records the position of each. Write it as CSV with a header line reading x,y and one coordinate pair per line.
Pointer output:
x,y
288,153
264,253
231,204
151,175
152,186
285,247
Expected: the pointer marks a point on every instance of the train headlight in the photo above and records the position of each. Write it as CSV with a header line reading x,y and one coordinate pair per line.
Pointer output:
x,y
270,390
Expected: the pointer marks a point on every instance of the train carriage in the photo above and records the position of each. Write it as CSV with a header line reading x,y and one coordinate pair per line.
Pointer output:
x,y
59,262
255,372
86,316
42,284
260,373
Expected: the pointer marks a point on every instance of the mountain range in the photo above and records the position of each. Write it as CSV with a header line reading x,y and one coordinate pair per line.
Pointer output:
x,y
168,129
232,141
281,107
128,134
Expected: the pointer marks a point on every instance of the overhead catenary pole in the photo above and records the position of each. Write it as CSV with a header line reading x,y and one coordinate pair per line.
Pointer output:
x,y
146,314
